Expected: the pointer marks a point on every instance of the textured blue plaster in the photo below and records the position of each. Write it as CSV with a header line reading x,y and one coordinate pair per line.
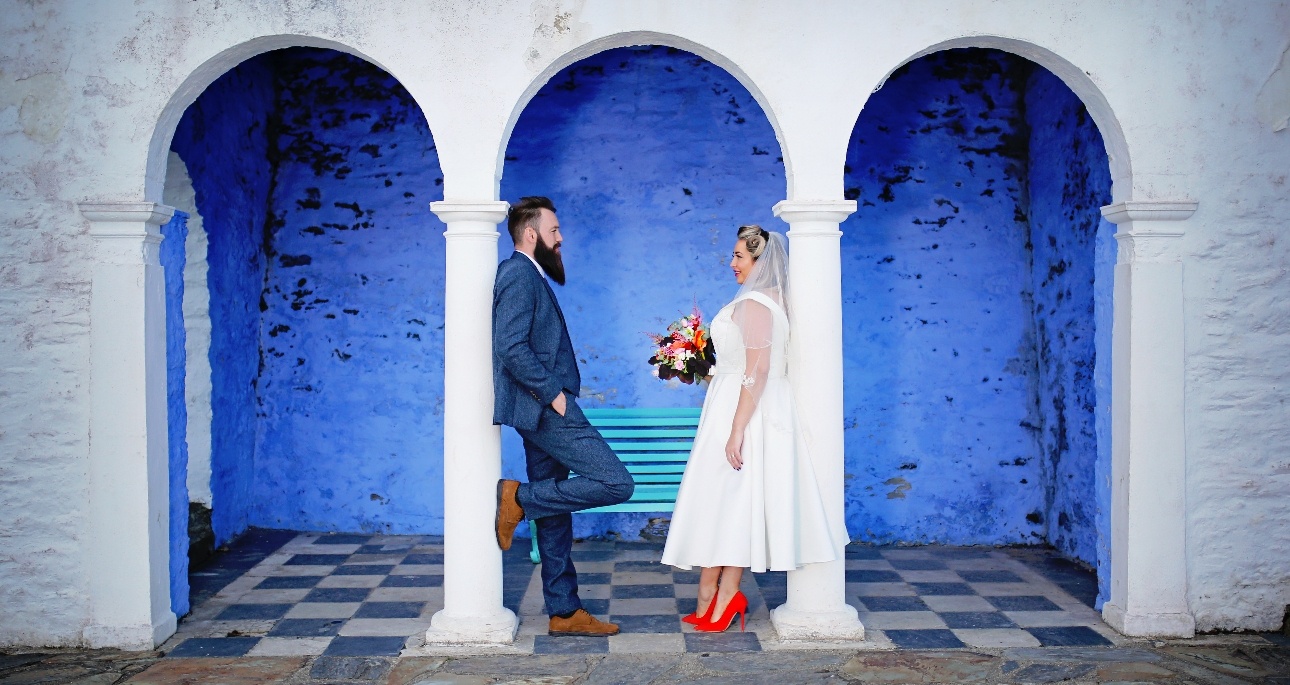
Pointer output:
x,y
940,410
1069,178
351,385
172,257
223,140
653,157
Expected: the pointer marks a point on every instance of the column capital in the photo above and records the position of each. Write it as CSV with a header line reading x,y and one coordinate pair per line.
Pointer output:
x,y
452,211
831,211
1150,210
126,219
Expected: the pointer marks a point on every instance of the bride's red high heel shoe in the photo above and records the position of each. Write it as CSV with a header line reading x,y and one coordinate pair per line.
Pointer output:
x,y
738,605
695,619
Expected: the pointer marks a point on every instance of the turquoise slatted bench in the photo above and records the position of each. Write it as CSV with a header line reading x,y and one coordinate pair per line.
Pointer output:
x,y
654,444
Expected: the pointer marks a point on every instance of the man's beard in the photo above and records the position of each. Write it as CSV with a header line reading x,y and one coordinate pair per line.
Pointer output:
x,y
549,260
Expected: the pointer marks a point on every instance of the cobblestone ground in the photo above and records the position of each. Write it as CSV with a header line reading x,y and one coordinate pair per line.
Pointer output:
x,y
1217,660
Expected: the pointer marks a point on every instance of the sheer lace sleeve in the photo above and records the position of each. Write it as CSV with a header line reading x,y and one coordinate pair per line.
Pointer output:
x,y
756,327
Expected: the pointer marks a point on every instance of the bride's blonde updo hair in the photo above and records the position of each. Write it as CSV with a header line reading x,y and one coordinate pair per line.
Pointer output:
x,y
755,238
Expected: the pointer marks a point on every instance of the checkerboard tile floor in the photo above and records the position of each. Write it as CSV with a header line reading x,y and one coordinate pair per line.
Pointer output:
x,y
369,595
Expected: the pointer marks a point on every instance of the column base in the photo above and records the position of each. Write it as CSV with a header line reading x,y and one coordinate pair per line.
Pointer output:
x,y
448,629
136,638
1149,625
837,625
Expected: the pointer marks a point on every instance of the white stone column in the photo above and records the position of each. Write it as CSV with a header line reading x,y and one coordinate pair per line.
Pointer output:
x,y
472,449
1148,450
816,609
127,541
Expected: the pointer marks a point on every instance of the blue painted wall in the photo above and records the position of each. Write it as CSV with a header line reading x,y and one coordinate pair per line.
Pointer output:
x,y
223,139
940,359
653,157
1073,263
972,389
351,378
172,256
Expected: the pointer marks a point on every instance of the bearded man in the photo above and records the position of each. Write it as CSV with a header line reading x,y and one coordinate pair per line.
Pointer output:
x,y
536,384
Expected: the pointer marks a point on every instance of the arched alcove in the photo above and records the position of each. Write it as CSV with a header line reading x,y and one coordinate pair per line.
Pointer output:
x,y
653,156
977,308
308,170
645,39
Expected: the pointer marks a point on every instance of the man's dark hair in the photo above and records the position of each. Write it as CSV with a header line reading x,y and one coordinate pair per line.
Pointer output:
x,y
525,213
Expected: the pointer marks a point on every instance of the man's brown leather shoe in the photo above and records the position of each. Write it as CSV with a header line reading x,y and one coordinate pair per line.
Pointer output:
x,y
580,623
509,512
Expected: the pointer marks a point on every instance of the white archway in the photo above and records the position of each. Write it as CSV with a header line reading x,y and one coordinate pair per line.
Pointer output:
x,y
128,544
1148,537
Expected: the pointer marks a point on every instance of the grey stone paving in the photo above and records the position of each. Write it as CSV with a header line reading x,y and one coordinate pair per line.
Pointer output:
x,y
1211,660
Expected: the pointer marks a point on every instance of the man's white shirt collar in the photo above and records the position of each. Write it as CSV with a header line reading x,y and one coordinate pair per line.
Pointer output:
x,y
539,266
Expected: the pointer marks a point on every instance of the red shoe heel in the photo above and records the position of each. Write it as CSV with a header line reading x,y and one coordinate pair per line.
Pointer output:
x,y
738,605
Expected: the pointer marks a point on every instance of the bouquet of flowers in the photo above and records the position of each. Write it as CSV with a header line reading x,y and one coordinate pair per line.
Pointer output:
x,y
685,351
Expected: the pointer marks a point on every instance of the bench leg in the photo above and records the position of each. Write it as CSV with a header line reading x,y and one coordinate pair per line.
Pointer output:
x,y
533,551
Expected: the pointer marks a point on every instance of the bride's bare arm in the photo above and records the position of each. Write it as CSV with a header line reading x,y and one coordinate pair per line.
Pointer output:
x,y
755,325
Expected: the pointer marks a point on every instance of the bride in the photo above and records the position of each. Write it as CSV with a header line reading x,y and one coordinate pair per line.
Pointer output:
x,y
749,498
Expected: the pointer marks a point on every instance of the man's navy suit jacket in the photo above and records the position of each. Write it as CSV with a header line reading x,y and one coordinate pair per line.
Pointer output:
x,y
533,358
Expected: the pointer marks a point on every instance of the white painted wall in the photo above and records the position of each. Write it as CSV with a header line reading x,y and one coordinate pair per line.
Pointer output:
x,y
1188,96
179,193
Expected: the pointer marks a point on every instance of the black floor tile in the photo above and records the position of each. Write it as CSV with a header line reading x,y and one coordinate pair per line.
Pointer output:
x,y
934,638
959,552
337,594
591,555
207,579
863,552
363,570
1073,578
990,577
214,646
643,591
390,610
412,581
770,579
596,607
342,539
722,642
660,623
423,559
941,589
686,577
858,575
917,564
288,582
686,605
316,559
1023,603
641,567
383,549
244,612
976,619
307,627
585,579
894,604
365,646
570,644
1068,636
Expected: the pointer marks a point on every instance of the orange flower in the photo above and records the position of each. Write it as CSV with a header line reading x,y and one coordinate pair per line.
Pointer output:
x,y
699,342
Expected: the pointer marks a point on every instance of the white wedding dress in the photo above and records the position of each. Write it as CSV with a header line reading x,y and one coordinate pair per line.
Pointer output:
x,y
768,515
